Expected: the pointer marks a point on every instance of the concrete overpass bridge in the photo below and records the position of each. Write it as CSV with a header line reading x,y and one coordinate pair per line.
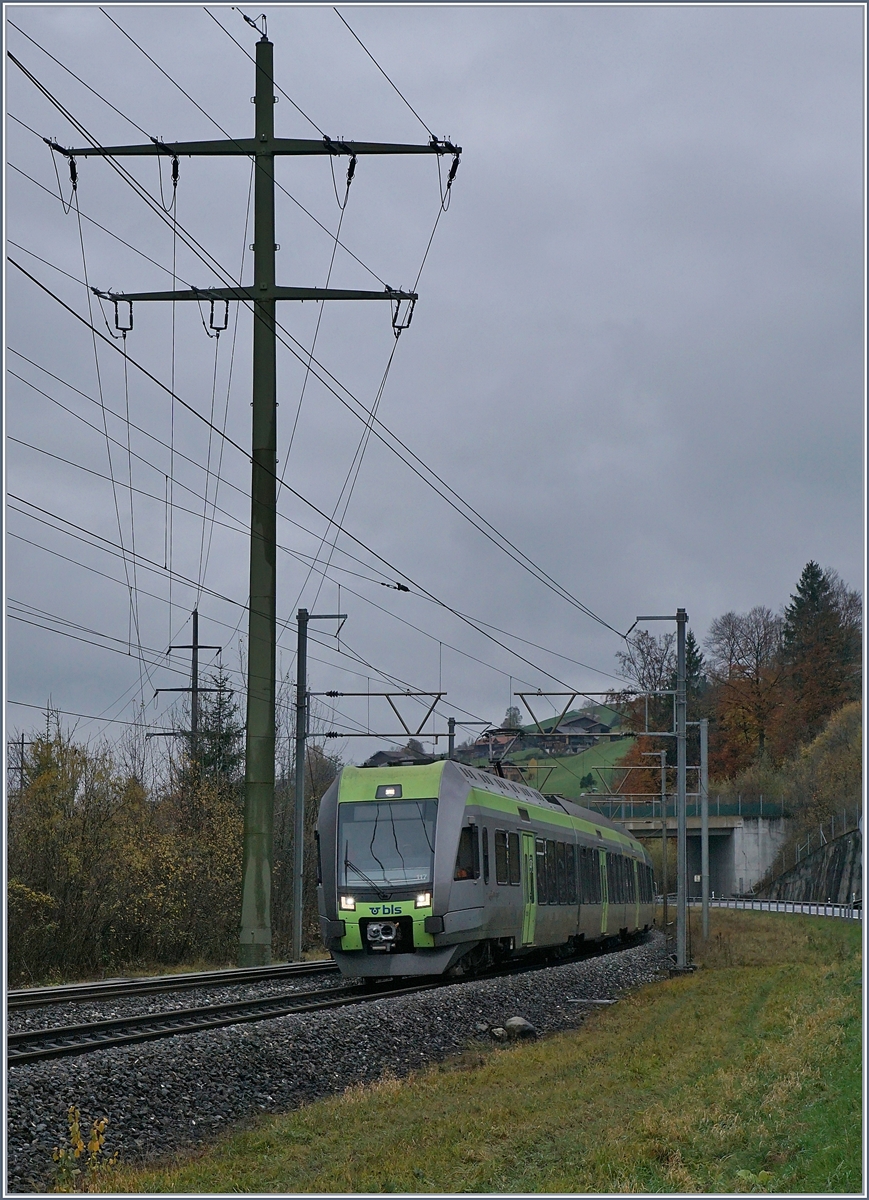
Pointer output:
x,y
745,836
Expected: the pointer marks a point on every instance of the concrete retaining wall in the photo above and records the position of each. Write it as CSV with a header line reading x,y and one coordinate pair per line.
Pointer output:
x,y
834,872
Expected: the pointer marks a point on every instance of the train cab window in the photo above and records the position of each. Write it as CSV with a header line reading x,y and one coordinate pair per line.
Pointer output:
x,y
468,857
513,857
501,872
542,889
560,873
485,855
570,869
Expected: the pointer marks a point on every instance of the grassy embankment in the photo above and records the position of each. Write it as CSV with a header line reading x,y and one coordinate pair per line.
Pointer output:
x,y
562,774
745,1076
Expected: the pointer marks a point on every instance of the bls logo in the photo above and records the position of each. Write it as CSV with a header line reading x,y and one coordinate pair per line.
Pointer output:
x,y
387,910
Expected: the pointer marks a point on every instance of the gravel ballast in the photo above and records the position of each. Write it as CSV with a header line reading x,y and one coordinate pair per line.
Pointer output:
x,y
182,1091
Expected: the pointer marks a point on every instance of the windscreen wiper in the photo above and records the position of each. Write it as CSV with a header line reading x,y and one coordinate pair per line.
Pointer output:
x,y
347,863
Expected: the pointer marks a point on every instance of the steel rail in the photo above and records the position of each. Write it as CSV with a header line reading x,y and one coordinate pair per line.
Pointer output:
x,y
36,1045
110,988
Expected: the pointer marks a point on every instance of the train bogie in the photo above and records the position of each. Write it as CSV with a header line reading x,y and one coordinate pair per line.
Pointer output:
x,y
439,867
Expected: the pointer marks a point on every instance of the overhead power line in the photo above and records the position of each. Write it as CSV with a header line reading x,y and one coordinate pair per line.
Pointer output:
x,y
308,503
383,73
387,437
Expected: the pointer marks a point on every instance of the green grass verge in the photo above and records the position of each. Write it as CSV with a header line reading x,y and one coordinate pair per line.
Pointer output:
x,y
745,1076
568,769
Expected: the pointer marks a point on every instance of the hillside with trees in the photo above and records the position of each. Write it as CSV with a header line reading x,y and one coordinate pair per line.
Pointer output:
x,y
781,691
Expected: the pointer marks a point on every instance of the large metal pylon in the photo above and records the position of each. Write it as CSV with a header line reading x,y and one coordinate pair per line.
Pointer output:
x,y
256,935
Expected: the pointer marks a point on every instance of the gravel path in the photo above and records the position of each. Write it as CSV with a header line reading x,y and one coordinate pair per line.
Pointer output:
x,y
182,1091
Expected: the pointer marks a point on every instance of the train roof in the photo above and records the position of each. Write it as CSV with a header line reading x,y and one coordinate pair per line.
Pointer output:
x,y
521,791
497,785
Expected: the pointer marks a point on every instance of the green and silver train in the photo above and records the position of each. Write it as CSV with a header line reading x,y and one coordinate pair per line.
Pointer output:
x,y
440,867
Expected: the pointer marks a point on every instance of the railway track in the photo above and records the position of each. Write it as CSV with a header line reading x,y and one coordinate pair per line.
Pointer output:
x,y
35,1045
108,989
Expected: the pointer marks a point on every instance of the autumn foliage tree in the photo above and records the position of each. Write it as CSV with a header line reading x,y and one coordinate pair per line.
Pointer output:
x,y
748,675
776,678
103,875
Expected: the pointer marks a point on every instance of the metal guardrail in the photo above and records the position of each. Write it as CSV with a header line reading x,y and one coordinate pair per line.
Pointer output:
x,y
848,912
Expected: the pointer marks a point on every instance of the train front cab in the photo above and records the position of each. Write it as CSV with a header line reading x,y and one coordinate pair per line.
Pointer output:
x,y
387,839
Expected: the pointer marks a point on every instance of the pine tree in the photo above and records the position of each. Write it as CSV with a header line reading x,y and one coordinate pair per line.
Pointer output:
x,y
220,747
821,647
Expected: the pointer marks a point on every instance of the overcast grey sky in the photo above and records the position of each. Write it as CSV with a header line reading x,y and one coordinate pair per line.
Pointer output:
x,y
638,349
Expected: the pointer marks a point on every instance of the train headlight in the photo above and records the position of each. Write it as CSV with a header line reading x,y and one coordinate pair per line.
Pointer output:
x,y
423,900
347,903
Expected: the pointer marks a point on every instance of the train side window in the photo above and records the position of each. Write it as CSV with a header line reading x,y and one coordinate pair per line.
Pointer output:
x,y
560,872
501,873
542,889
485,855
513,857
319,863
551,879
468,857
590,876
632,880
570,867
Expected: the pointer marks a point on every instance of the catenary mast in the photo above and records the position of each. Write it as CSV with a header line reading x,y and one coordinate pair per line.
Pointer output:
x,y
256,934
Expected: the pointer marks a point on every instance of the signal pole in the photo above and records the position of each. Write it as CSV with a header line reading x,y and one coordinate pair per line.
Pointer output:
x,y
256,934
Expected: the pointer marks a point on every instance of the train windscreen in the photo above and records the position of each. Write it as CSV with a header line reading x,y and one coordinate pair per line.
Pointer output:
x,y
386,843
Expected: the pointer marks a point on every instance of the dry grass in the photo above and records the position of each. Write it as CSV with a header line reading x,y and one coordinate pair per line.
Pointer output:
x,y
742,1077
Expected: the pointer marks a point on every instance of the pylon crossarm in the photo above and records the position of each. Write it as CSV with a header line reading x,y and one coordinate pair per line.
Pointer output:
x,y
248,146
254,294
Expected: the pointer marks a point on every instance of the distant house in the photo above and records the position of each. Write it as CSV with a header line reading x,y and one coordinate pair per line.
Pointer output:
x,y
396,758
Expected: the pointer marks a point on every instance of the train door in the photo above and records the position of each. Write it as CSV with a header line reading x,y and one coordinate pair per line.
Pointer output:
x,y
529,893
604,891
